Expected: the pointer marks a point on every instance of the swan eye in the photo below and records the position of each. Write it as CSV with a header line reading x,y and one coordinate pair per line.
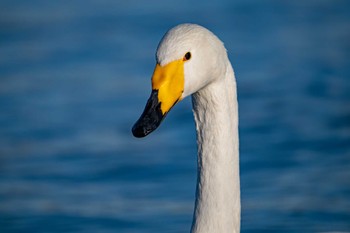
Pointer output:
x,y
187,56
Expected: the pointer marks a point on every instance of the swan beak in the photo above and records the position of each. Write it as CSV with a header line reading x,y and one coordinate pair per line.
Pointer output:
x,y
167,88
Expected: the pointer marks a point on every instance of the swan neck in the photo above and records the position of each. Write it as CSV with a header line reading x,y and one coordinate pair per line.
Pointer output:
x,y
217,206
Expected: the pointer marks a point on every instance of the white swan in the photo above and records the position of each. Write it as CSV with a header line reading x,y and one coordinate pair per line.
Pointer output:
x,y
193,61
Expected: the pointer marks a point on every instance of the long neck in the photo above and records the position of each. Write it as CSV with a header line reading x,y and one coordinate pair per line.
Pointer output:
x,y
217,207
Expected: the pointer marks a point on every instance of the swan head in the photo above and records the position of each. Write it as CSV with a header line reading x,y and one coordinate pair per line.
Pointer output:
x,y
189,57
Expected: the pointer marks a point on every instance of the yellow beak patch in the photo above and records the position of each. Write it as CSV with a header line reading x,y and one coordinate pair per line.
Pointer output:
x,y
170,82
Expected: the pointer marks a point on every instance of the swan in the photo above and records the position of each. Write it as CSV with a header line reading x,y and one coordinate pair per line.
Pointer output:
x,y
191,60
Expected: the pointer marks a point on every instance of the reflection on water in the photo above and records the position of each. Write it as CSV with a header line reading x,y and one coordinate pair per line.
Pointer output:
x,y
75,76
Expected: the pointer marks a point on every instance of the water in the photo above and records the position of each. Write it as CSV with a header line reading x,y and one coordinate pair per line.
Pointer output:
x,y
75,75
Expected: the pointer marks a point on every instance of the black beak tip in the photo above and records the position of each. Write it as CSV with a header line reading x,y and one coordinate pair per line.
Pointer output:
x,y
150,119
139,132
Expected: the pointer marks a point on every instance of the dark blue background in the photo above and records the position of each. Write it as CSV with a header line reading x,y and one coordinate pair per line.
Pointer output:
x,y
75,76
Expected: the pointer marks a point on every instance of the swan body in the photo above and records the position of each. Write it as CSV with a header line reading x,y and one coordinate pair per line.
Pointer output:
x,y
191,60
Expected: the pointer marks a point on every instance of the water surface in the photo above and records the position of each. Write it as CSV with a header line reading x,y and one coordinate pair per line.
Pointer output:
x,y
75,75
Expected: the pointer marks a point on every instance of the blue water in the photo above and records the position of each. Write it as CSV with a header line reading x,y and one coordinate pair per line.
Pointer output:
x,y
75,76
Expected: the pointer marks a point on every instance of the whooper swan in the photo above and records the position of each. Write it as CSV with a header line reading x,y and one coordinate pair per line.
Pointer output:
x,y
191,60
